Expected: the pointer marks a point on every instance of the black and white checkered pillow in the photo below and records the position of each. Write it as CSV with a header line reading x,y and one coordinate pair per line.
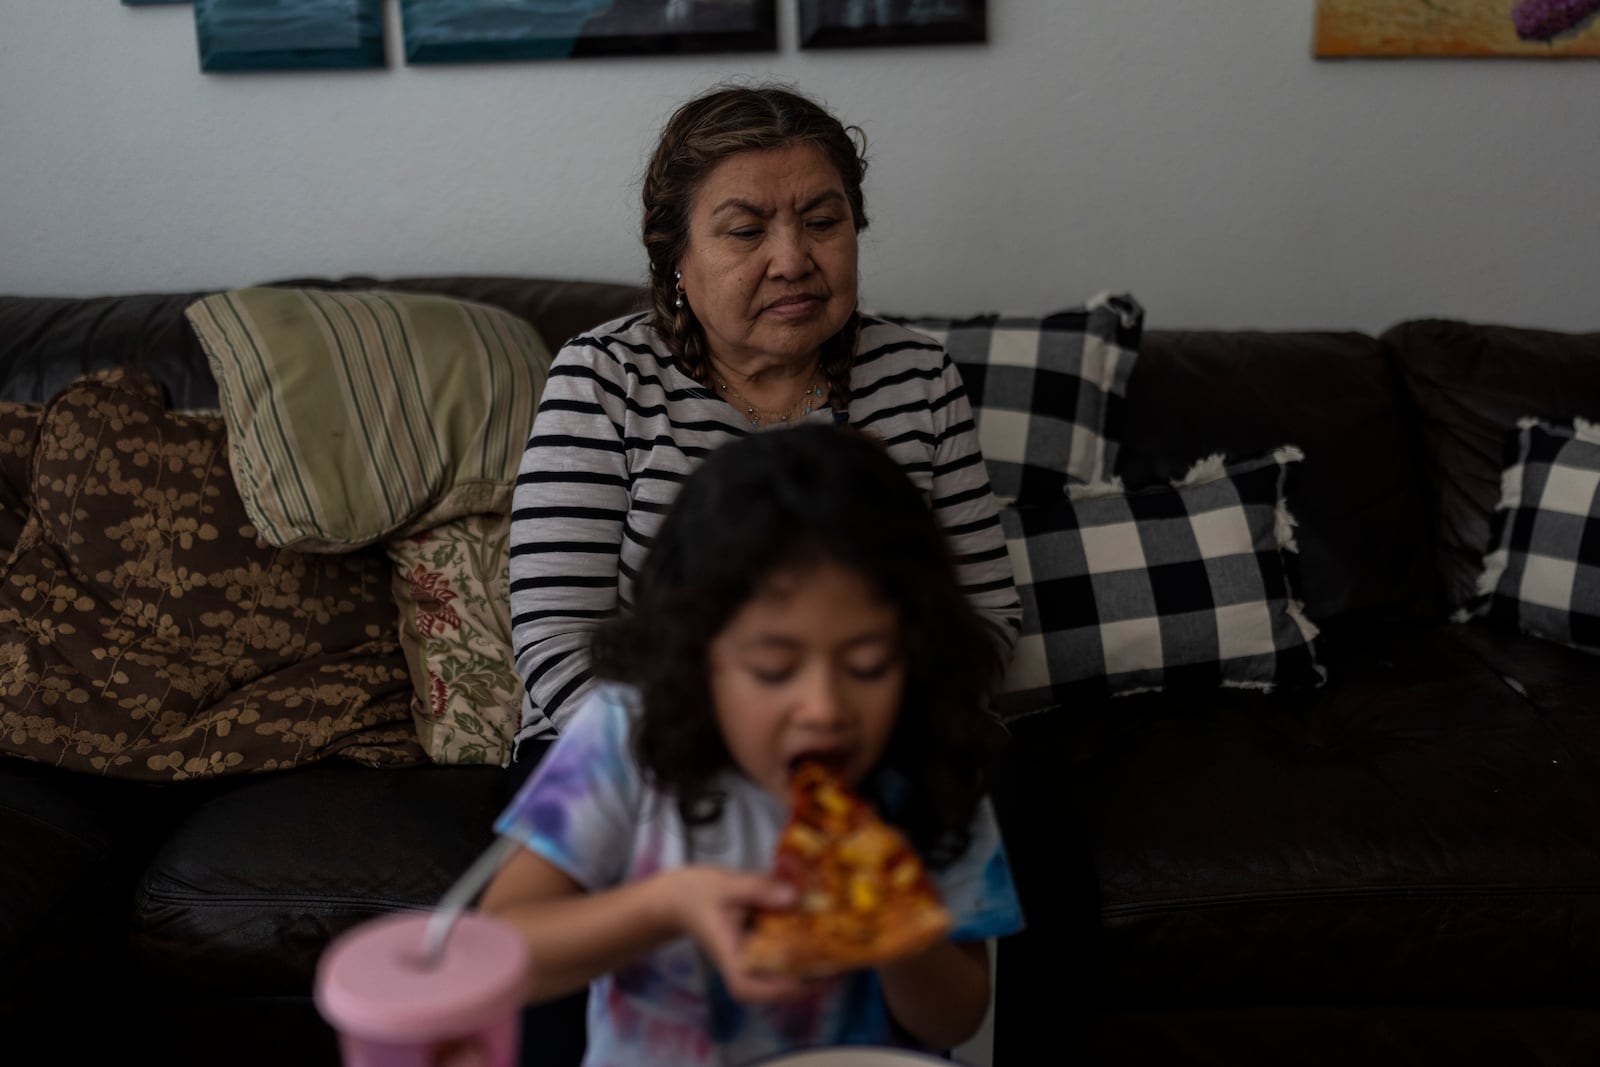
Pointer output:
x,y
1046,392
1180,586
1542,571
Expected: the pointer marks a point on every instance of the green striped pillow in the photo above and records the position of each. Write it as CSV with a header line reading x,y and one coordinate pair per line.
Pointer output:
x,y
357,416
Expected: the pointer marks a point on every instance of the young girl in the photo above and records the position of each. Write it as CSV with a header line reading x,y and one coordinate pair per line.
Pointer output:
x,y
799,601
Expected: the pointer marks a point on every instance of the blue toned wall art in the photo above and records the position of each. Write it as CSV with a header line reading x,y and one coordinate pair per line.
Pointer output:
x,y
871,23
476,31
237,35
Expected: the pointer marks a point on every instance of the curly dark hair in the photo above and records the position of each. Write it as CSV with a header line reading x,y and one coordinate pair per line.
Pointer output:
x,y
719,123
781,501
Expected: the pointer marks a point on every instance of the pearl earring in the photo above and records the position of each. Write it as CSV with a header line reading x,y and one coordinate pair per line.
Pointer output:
x,y
677,276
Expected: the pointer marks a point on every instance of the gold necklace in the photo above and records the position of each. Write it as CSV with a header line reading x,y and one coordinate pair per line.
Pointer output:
x,y
803,404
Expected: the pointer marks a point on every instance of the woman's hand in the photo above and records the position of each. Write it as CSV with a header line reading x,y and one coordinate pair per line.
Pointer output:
x,y
711,905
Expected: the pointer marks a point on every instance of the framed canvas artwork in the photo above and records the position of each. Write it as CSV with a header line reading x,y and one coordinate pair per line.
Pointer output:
x,y
869,23
1554,28
477,31
245,35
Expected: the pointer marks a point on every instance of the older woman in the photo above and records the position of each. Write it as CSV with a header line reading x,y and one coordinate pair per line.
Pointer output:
x,y
752,205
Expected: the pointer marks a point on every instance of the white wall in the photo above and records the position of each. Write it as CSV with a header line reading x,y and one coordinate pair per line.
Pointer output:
x,y
1190,151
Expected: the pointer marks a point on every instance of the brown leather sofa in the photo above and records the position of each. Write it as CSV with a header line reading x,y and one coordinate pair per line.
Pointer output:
x,y
185,920
1401,866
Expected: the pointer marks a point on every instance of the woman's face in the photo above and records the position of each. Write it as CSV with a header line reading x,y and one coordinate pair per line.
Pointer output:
x,y
811,666
770,268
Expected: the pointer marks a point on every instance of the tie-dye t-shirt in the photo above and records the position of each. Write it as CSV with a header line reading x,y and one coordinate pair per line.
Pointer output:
x,y
587,810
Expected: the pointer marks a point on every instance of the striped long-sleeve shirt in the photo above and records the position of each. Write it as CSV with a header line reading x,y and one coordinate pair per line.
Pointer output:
x,y
619,427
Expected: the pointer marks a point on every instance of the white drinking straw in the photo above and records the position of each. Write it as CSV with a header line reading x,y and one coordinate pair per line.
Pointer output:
x,y
459,896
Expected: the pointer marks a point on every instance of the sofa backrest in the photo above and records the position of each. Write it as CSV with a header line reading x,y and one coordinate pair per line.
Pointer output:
x,y
1362,529
47,342
1469,384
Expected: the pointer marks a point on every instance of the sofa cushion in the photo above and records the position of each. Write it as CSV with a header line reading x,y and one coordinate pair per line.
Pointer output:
x,y
1471,383
145,633
248,889
1046,393
1183,586
1416,832
453,588
1556,680
74,845
1339,1035
1542,572
362,415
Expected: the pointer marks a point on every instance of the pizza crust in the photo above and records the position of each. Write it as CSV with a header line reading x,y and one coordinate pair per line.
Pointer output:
x,y
786,944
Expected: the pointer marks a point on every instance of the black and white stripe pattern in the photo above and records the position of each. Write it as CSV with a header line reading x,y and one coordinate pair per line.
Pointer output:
x,y
619,427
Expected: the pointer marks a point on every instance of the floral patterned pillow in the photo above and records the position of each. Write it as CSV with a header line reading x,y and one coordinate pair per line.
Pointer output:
x,y
452,586
146,633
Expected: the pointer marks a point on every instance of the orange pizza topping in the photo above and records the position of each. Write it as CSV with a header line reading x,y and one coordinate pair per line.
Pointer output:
x,y
864,896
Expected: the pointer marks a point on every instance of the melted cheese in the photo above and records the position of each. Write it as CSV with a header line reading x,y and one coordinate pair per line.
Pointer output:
x,y
869,846
804,840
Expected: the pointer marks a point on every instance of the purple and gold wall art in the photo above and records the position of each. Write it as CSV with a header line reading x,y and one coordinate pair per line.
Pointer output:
x,y
1554,28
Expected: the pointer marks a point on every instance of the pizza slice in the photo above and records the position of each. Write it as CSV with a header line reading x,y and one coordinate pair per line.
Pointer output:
x,y
863,895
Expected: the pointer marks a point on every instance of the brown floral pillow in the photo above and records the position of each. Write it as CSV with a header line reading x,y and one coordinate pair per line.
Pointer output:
x,y
19,429
146,633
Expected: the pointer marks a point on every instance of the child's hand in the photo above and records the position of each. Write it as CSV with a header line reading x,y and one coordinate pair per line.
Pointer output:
x,y
711,905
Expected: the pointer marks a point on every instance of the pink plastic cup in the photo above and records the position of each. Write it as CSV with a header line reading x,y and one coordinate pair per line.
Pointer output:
x,y
393,1009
